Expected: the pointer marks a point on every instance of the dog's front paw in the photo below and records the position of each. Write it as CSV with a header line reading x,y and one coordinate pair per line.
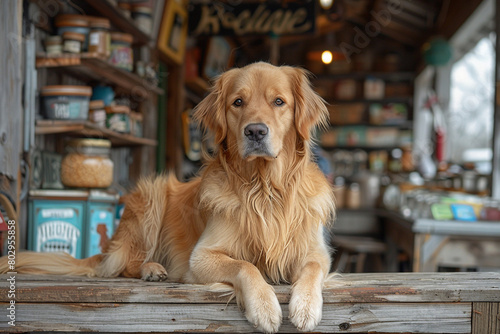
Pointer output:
x,y
263,310
153,272
305,308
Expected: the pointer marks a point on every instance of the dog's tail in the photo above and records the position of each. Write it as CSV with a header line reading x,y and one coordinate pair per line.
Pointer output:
x,y
50,263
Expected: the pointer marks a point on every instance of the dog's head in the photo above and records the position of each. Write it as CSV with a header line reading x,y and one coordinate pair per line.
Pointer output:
x,y
253,108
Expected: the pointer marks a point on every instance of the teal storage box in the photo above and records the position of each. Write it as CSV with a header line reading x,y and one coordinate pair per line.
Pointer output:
x,y
100,225
56,221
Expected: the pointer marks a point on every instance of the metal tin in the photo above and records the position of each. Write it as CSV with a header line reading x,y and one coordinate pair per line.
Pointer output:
x,y
101,211
56,221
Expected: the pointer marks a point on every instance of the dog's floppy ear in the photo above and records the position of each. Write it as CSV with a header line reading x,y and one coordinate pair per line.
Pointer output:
x,y
211,111
310,108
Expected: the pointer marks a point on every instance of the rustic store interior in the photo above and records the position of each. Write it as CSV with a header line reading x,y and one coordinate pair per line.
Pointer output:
x,y
413,148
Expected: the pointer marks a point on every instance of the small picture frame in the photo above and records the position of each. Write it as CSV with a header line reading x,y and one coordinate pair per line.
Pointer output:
x,y
219,57
173,32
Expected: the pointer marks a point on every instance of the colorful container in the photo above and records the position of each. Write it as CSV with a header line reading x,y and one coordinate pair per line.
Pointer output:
x,y
79,223
66,102
121,51
118,118
56,221
100,224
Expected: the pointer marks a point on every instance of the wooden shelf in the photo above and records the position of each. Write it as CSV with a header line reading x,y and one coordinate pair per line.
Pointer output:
x,y
110,11
198,85
386,76
385,100
403,125
92,66
364,147
87,129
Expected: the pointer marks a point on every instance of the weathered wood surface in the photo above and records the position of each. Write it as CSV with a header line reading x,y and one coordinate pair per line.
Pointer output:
x,y
486,318
354,303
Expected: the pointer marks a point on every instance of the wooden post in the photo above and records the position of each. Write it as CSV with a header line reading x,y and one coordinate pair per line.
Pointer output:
x,y
495,177
175,100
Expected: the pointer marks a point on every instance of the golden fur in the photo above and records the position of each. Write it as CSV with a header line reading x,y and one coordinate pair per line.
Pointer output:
x,y
254,216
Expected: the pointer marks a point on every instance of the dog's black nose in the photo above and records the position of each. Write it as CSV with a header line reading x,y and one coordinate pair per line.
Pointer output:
x,y
256,131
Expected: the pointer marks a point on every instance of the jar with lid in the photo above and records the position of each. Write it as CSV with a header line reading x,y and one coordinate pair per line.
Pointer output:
x,y
53,45
118,118
121,51
353,196
73,42
136,124
143,18
491,210
73,23
124,7
99,36
87,164
97,113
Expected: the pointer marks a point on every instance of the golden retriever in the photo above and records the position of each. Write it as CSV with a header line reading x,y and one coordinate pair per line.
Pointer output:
x,y
253,218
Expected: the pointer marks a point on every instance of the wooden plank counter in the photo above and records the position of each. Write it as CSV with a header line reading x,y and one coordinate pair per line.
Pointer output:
x,y
354,303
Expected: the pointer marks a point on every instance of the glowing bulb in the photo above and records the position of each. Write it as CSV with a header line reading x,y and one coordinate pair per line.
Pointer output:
x,y
326,57
326,4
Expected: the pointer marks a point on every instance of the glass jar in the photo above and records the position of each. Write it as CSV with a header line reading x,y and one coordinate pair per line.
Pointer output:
x,y
136,124
118,118
491,210
99,37
73,42
53,45
121,51
143,18
87,164
97,113
73,23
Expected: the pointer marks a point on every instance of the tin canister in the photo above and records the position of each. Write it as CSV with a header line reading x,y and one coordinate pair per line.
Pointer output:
x,y
56,221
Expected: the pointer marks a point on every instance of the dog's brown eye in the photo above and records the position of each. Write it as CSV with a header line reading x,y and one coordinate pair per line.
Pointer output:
x,y
238,102
279,102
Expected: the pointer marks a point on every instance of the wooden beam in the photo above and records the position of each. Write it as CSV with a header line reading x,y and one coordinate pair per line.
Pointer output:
x,y
353,303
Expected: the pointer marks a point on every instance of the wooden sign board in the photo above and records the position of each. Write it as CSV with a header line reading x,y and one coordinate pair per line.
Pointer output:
x,y
260,18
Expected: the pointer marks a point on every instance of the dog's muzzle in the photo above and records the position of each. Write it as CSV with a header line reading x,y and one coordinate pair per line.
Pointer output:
x,y
257,141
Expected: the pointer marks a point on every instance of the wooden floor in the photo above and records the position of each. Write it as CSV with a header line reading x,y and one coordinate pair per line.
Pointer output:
x,y
354,303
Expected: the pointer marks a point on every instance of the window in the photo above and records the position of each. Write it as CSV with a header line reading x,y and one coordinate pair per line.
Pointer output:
x,y
470,114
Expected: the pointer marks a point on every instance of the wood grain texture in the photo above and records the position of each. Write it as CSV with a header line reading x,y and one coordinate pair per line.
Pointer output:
x,y
353,303
349,288
337,318
486,318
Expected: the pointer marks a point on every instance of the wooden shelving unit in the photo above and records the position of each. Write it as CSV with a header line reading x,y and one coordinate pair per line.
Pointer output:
x,y
385,100
404,125
386,76
198,85
109,10
87,129
92,66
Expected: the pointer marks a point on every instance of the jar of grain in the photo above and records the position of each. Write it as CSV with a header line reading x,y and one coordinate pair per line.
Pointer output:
x,y
87,164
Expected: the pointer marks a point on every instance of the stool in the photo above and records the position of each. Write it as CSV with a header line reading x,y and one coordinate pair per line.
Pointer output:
x,y
357,248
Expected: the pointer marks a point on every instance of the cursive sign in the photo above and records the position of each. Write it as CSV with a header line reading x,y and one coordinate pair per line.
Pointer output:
x,y
293,17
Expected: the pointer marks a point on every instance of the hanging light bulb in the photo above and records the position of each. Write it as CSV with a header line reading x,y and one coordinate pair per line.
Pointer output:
x,y
326,4
326,57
